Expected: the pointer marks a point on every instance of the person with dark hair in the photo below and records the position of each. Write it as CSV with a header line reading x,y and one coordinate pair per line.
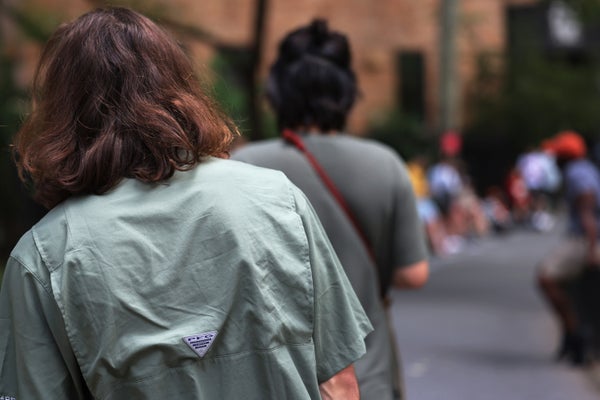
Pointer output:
x,y
577,257
163,270
360,188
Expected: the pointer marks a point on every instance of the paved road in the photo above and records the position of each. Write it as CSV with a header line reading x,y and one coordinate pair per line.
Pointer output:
x,y
479,330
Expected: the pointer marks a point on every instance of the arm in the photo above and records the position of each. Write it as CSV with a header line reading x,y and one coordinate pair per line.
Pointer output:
x,y
341,386
36,361
412,276
586,207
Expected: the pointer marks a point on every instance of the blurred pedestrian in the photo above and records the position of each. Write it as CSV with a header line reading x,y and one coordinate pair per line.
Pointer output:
x,y
162,270
428,210
359,187
519,198
496,210
542,179
451,189
445,175
579,251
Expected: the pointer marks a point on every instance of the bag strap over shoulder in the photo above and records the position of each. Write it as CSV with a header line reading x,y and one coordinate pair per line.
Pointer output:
x,y
296,140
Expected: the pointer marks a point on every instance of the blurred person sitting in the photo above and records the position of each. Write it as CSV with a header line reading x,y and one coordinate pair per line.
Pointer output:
x,y
451,189
162,270
579,253
542,178
444,176
427,208
495,208
519,198
359,188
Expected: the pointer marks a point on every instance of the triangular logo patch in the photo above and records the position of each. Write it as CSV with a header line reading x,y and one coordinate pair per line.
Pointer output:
x,y
201,342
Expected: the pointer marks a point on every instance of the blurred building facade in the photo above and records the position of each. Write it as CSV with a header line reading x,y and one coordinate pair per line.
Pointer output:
x,y
397,44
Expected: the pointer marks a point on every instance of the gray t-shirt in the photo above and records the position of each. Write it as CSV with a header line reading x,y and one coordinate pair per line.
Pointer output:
x,y
374,182
218,284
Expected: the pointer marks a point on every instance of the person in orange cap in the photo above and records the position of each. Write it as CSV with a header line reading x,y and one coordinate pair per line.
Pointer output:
x,y
567,145
579,251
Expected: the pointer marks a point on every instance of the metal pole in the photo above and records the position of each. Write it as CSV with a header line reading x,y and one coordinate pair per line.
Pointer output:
x,y
255,116
449,80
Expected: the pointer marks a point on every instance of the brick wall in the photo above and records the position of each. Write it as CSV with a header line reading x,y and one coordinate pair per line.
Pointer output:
x,y
378,30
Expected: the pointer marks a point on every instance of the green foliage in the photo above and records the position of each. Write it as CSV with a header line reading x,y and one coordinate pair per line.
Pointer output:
x,y
230,90
12,103
536,92
17,211
404,133
269,122
537,99
588,10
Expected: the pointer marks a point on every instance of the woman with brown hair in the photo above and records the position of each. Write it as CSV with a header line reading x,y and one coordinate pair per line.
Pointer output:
x,y
162,270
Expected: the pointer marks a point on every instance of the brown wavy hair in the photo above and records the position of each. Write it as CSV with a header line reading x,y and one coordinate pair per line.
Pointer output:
x,y
114,96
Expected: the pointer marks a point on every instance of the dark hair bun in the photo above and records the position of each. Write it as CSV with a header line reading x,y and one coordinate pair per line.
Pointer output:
x,y
311,84
319,30
316,40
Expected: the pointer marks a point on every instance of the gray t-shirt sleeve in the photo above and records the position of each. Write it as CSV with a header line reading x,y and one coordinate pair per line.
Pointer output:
x,y
35,358
408,237
340,323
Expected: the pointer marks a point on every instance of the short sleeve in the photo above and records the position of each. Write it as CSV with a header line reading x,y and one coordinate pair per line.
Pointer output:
x,y
340,323
35,360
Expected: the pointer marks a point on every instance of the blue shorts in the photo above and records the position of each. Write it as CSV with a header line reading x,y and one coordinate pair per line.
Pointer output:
x,y
427,209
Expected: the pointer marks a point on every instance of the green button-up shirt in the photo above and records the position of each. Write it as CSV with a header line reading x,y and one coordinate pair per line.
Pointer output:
x,y
218,284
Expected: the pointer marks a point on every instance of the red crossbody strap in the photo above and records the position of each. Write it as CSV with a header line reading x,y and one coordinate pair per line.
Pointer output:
x,y
296,140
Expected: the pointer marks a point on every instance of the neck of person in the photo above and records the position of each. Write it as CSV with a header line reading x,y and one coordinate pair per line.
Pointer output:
x,y
313,130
